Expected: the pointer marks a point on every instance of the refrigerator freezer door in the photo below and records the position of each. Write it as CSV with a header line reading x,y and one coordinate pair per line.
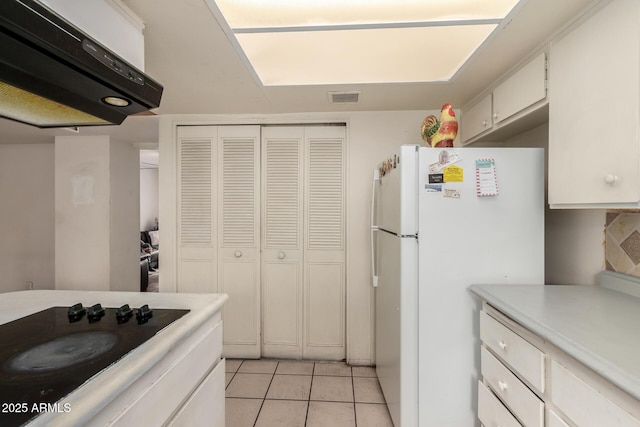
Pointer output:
x,y
396,194
396,325
466,239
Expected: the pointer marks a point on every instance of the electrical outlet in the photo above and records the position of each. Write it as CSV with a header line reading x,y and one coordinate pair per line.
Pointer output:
x,y
29,286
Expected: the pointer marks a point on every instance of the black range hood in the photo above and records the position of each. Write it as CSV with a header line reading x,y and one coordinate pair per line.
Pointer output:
x,y
54,75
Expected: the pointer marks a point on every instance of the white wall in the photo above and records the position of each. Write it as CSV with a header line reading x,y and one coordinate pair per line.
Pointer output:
x,y
97,186
574,239
124,195
82,212
26,216
148,198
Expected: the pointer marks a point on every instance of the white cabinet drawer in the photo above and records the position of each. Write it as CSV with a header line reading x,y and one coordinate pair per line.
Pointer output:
x,y
584,405
555,420
519,354
491,412
524,404
206,404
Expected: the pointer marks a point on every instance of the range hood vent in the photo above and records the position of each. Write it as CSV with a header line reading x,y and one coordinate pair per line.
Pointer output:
x,y
54,75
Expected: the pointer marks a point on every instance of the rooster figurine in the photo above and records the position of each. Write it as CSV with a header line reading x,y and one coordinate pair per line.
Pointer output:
x,y
440,133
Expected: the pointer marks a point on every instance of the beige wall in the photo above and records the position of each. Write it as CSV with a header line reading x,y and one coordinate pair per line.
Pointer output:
x,y
26,216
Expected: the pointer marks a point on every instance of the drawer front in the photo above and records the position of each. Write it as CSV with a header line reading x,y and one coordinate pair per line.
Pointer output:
x,y
519,354
206,403
524,404
583,404
555,420
491,412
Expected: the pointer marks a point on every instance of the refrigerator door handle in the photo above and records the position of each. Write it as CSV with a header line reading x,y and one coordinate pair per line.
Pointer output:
x,y
374,228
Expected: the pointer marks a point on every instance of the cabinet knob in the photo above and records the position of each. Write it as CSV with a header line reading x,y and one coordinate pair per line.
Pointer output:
x,y
237,254
485,123
503,345
495,116
281,255
610,179
502,385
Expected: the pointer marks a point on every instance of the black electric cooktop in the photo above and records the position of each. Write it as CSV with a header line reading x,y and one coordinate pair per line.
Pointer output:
x,y
47,355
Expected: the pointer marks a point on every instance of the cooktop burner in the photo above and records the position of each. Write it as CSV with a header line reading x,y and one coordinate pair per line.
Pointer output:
x,y
47,355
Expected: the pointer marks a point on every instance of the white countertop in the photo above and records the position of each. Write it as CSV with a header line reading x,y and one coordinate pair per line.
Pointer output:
x,y
597,326
101,389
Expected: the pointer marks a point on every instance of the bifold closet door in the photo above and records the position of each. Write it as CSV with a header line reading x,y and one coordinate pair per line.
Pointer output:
x,y
238,238
303,269
196,233
282,268
324,243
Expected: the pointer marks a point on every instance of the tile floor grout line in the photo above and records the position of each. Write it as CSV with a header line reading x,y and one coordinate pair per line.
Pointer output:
x,y
306,417
353,390
265,393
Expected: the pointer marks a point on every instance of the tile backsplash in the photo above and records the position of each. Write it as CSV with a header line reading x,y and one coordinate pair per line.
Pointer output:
x,y
622,242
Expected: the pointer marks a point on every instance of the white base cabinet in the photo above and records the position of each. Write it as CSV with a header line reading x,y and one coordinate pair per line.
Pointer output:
x,y
526,381
186,388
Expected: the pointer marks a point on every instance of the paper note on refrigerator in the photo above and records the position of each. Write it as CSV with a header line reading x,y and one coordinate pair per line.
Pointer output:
x,y
486,182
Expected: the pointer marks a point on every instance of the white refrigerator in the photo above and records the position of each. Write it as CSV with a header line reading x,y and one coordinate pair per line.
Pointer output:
x,y
442,220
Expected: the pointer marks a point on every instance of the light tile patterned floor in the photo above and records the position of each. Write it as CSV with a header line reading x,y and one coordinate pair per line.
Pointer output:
x,y
276,393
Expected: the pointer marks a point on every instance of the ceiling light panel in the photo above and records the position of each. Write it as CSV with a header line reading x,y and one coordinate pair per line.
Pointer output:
x,y
390,55
312,42
246,14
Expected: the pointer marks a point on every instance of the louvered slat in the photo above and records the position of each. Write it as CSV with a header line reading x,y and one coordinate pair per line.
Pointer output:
x,y
195,193
238,186
325,195
281,204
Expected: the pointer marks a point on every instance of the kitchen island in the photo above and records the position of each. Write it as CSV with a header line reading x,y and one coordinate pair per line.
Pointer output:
x,y
575,348
176,377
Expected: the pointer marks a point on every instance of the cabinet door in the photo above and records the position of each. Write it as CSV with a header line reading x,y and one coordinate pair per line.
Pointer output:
x,y
524,88
282,251
324,270
476,119
238,243
196,269
594,109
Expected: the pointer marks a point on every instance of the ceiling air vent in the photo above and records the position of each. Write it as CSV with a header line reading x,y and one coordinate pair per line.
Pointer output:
x,y
344,97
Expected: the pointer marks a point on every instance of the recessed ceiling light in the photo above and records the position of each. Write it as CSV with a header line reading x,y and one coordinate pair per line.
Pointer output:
x,y
306,42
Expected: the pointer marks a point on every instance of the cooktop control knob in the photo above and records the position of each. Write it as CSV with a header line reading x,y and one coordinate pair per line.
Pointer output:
x,y
124,313
76,312
95,313
143,314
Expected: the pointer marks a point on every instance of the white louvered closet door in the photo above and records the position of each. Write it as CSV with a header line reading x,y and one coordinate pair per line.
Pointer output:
x,y
282,250
324,243
196,252
303,269
238,242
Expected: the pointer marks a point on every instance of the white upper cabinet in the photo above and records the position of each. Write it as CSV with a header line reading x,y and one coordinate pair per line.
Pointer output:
x,y
514,105
594,110
524,88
